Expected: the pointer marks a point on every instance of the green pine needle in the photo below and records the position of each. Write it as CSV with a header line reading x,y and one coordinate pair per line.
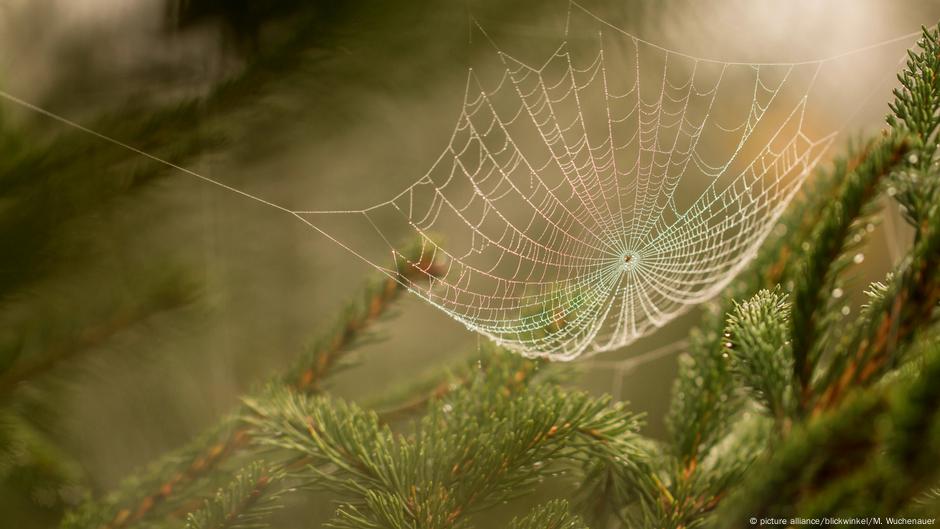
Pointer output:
x,y
248,500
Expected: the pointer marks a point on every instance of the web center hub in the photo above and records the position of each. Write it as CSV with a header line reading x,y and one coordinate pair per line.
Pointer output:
x,y
629,261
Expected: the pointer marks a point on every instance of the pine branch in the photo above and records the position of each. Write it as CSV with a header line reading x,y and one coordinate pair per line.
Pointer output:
x,y
630,491
833,236
703,407
40,472
703,399
758,346
824,451
481,446
918,98
825,260
552,515
490,435
142,494
52,186
894,317
908,302
243,504
751,435
168,484
516,370
928,500
869,456
168,295
830,214
916,109
32,464
775,263
414,265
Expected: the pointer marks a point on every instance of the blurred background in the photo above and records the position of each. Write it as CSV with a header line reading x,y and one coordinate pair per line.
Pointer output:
x,y
137,303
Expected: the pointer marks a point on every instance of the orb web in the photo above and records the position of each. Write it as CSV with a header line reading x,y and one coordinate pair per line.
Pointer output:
x,y
582,202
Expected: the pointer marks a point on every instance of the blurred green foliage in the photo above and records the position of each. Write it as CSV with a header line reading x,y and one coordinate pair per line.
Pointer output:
x,y
842,417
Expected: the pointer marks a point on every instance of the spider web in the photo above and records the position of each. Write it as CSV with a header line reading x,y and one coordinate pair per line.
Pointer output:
x,y
582,202
585,202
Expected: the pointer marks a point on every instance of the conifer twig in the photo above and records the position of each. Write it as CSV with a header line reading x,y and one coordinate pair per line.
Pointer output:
x,y
910,299
307,375
868,456
165,298
244,502
831,236
480,447
890,323
552,515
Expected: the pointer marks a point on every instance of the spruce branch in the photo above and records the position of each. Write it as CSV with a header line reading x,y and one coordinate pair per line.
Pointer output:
x,y
901,310
907,303
917,100
703,408
825,260
515,371
173,482
243,504
552,515
758,345
414,264
167,295
775,263
916,109
480,446
703,394
869,456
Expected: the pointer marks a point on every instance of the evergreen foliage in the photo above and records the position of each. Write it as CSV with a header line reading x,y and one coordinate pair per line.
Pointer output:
x,y
760,350
552,515
242,504
840,416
